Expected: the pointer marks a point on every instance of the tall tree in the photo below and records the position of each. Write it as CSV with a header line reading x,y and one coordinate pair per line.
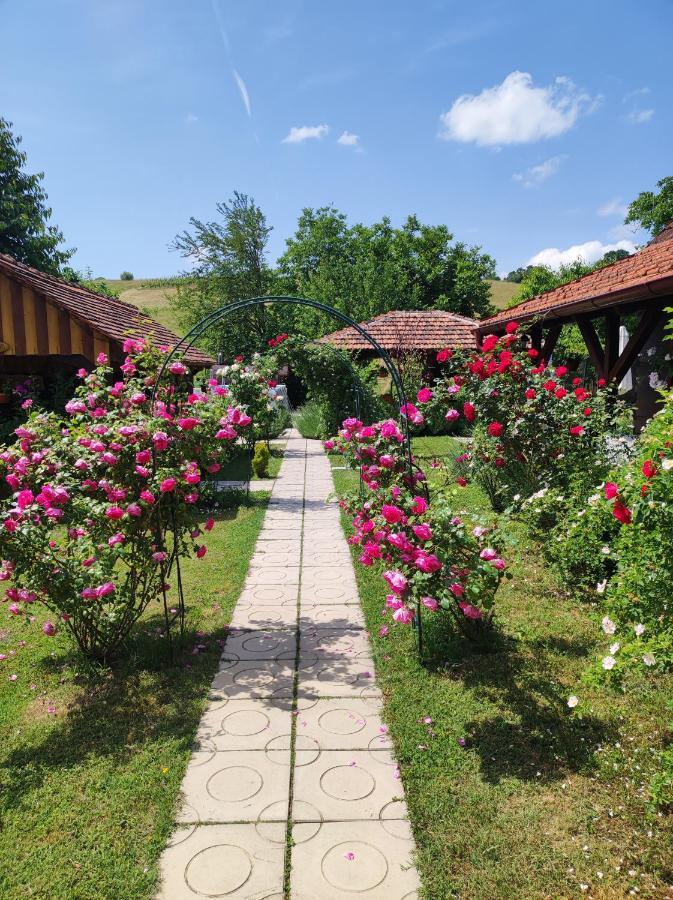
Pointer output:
x,y
229,262
25,232
652,211
366,270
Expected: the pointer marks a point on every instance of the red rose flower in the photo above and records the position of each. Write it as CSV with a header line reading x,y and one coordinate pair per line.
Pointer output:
x,y
530,394
489,343
621,512
611,490
495,429
511,327
533,353
649,469
469,411
577,430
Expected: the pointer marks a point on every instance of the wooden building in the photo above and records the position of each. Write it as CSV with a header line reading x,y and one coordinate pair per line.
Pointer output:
x,y
634,291
49,326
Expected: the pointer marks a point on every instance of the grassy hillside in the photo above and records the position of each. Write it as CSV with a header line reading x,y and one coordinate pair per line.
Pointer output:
x,y
502,292
151,296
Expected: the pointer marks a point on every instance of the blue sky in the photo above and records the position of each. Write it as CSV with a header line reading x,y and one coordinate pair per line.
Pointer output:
x,y
524,126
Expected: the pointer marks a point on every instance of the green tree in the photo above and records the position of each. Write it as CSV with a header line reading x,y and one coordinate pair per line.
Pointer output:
x,y
652,211
229,262
24,215
366,270
126,276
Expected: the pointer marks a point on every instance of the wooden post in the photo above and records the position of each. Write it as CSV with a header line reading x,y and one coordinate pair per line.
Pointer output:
x,y
611,341
593,344
551,339
648,322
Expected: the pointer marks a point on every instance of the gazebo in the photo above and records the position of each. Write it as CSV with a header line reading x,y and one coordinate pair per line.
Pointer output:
x,y
641,284
410,331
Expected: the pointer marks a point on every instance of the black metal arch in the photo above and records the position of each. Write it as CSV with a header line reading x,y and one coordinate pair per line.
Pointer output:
x,y
187,342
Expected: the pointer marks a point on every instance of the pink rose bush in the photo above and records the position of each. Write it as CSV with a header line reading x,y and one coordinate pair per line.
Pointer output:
x,y
78,532
430,558
253,386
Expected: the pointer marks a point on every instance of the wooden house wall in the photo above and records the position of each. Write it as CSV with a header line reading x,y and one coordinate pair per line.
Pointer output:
x,y
30,325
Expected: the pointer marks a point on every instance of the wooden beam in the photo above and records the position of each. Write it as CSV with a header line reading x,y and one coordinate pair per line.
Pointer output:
x,y
648,322
593,343
551,339
611,340
536,337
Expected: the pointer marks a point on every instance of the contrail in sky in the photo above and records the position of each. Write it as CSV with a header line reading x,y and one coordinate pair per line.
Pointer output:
x,y
240,84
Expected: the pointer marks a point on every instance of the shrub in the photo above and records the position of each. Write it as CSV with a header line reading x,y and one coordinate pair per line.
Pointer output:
x,y
126,276
433,559
260,460
638,602
80,533
309,420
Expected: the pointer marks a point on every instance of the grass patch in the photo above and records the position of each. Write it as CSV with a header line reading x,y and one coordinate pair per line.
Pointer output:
x,y
238,468
151,298
87,793
502,293
514,796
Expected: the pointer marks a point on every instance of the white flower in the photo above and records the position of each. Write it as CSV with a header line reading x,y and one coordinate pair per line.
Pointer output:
x,y
639,629
600,589
609,662
594,500
667,464
573,701
655,382
605,550
649,659
609,626
614,648
651,351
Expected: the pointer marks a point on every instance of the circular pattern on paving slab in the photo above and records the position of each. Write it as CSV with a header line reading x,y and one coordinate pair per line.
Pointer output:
x,y
341,721
347,783
234,784
218,870
245,722
354,867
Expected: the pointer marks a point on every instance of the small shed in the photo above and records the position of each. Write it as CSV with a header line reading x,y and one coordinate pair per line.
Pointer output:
x,y
50,326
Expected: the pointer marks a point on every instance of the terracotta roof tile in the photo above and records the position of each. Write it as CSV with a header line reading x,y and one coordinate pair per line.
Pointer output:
x,y
644,275
112,318
410,330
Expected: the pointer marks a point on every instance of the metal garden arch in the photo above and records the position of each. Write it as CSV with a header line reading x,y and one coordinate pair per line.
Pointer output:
x,y
187,342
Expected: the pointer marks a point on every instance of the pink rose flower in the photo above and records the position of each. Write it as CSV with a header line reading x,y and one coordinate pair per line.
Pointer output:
x,y
168,485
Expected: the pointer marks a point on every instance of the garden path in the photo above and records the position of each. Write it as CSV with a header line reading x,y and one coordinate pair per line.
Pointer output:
x,y
293,770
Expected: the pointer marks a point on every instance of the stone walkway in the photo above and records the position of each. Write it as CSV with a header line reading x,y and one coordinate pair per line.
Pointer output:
x,y
293,769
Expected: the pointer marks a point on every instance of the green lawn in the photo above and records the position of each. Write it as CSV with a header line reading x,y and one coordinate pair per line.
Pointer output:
x,y
509,794
238,467
87,791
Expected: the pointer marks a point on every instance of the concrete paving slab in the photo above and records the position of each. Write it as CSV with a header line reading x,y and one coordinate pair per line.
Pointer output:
x,y
233,861
253,679
362,859
243,724
234,786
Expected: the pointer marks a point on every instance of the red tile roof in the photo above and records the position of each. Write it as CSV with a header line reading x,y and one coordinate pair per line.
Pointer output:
x,y
645,275
111,318
429,329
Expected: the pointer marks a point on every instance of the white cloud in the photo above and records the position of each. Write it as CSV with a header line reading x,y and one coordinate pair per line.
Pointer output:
x,y
298,135
614,207
639,116
516,112
243,91
587,253
191,118
348,140
537,174
639,92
